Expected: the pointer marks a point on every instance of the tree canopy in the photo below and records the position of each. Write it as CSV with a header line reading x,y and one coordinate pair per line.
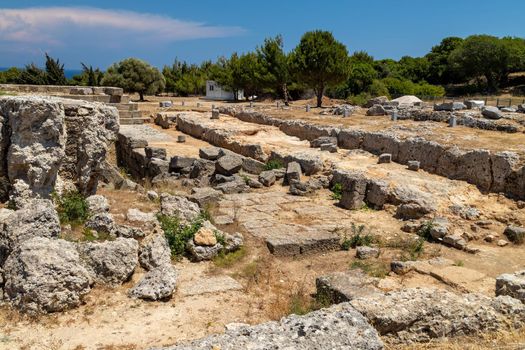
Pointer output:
x,y
134,75
320,61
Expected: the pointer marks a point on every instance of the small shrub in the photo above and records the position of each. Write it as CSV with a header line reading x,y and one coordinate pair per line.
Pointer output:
x,y
425,229
219,237
459,263
178,234
359,100
337,191
72,208
273,164
358,238
246,178
414,249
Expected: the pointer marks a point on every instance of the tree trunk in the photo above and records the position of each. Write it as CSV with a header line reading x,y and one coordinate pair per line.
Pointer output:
x,y
141,94
320,91
285,93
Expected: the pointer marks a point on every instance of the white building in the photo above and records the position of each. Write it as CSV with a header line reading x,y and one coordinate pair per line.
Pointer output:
x,y
215,92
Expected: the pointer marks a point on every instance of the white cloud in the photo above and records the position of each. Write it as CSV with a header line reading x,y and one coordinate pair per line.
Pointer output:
x,y
56,26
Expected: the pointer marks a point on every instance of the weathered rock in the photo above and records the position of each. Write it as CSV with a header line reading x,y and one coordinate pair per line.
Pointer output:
x,y
455,241
253,183
413,165
238,185
471,104
491,112
202,253
299,188
37,219
339,287
450,106
323,140
337,327
180,164
329,147
419,315
35,146
376,101
385,158
101,222
210,153
205,196
267,178
515,234
364,252
45,275
228,165
512,284
97,204
293,172
354,190
111,262
178,206
232,242
154,252
205,236
413,203
155,152
128,232
439,228
377,193
376,110
156,284
201,168
152,195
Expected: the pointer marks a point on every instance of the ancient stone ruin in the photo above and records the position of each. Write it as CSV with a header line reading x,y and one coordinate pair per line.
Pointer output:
x,y
258,226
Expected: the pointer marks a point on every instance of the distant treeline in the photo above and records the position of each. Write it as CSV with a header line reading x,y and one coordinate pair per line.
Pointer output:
x,y
319,63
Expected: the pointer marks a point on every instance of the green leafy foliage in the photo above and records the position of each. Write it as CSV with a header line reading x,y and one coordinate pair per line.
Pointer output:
x,y
320,61
179,234
425,229
134,75
72,208
273,164
358,238
337,191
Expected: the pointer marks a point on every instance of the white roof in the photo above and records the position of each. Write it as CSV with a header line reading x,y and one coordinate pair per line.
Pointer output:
x,y
407,99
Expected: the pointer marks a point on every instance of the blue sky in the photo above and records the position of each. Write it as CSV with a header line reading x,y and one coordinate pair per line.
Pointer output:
x,y
101,32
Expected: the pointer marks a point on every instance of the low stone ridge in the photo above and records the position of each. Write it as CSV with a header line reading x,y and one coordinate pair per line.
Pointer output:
x,y
340,287
422,314
337,327
495,172
45,275
111,262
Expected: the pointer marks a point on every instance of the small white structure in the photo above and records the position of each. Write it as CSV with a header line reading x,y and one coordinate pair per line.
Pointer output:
x,y
215,92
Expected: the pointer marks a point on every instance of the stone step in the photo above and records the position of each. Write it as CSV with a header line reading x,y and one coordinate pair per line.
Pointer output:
x,y
130,114
89,98
131,121
125,106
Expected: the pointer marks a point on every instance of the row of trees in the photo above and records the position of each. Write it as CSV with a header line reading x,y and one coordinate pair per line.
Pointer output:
x,y
319,63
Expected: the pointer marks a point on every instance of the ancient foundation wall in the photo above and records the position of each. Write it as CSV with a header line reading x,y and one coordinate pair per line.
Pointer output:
x,y
44,139
113,94
490,171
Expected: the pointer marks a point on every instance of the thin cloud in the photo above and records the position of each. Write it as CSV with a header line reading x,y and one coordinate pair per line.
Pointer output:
x,y
55,26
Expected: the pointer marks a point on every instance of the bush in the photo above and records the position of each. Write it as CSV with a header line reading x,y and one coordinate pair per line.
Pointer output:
x,y
337,191
358,238
273,164
178,234
425,229
359,100
378,88
72,208
428,90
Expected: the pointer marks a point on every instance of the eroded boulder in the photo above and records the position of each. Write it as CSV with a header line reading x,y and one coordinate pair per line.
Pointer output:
x,y
157,284
110,262
45,275
178,206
